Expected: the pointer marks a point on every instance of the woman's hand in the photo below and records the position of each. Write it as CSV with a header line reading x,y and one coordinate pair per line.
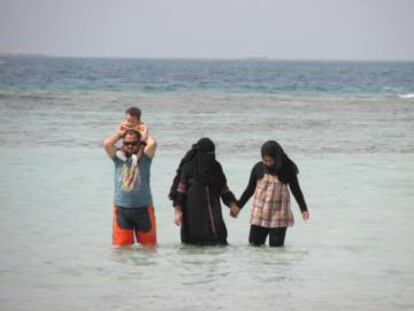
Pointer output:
x,y
305,216
178,216
234,210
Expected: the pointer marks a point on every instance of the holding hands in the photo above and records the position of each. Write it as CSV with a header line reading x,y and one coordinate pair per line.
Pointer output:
x,y
178,213
234,210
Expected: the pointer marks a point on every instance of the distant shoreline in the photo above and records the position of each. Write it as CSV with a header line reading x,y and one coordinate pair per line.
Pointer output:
x,y
27,55
241,59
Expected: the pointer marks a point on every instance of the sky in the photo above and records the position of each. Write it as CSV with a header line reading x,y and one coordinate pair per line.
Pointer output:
x,y
290,29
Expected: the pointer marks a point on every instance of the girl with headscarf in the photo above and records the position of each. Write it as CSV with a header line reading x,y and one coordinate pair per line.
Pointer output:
x,y
269,180
196,191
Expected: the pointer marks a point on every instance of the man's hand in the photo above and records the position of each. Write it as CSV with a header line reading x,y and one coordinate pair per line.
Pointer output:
x,y
123,127
109,142
151,146
143,130
305,216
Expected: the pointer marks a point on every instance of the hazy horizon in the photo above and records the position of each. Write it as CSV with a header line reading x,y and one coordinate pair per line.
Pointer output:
x,y
7,54
320,30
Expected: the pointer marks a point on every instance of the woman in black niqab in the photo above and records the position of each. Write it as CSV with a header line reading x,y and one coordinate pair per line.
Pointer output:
x,y
196,191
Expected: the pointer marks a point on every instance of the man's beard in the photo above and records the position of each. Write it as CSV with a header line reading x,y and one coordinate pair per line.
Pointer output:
x,y
127,153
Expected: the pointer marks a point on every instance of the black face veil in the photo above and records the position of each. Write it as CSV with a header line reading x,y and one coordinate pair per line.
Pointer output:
x,y
200,162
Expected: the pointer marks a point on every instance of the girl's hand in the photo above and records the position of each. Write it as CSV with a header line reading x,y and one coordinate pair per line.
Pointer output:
x,y
305,216
178,216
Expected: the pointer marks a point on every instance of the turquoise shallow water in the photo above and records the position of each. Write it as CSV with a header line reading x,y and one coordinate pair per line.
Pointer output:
x,y
355,157
356,252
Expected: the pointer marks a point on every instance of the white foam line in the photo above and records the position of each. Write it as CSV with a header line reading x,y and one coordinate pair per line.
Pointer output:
x,y
406,96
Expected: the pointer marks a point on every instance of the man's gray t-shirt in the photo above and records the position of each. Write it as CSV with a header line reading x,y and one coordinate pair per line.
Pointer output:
x,y
139,195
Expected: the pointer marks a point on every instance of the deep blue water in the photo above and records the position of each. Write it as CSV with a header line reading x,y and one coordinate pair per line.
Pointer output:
x,y
389,79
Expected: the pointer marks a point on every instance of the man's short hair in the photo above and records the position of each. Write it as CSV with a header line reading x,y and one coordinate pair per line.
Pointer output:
x,y
133,133
134,112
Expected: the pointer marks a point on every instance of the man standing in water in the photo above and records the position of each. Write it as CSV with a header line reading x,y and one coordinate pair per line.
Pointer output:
x,y
133,212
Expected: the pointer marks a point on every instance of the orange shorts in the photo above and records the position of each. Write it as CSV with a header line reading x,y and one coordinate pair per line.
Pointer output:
x,y
130,222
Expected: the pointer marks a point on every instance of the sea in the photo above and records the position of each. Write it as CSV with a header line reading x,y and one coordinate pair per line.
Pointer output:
x,y
348,125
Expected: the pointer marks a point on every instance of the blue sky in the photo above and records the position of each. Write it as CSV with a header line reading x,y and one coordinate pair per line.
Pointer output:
x,y
295,29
